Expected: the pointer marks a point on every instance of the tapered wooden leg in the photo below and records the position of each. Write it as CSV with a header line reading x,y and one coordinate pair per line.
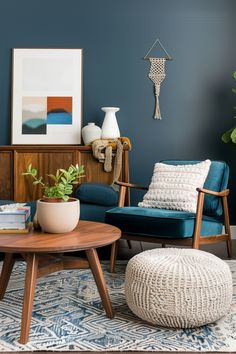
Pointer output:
x,y
129,244
198,222
163,245
227,227
114,249
30,282
99,279
6,273
229,248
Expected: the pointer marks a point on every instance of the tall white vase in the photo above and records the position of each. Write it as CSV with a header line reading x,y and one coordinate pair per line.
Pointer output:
x,y
110,128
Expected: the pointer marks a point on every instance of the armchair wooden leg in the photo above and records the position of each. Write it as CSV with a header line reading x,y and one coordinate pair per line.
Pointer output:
x,y
229,248
129,244
198,221
114,249
227,227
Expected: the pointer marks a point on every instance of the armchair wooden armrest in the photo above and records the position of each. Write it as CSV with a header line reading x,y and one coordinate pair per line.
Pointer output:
x,y
223,193
123,189
200,205
131,185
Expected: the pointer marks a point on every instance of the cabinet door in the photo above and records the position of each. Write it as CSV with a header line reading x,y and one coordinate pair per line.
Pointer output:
x,y
6,185
45,162
94,170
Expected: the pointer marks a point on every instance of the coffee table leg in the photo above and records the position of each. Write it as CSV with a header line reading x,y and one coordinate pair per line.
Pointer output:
x,y
6,273
99,279
30,282
114,248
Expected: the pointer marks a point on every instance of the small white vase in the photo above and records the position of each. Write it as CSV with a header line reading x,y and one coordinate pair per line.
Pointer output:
x,y
110,128
90,133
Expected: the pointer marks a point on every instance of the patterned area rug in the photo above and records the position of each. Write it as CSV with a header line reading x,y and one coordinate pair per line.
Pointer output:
x,y
68,316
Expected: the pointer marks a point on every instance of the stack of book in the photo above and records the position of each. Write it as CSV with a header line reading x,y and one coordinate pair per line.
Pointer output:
x,y
15,220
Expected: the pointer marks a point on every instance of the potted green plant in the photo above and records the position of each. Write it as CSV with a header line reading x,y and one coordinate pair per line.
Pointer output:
x,y
230,135
57,211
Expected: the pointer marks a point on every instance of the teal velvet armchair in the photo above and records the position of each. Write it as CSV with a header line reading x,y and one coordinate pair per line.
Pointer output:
x,y
178,227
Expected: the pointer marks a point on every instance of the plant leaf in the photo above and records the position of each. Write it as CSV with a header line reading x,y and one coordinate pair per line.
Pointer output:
x,y
34,172
226,137
233,135
64,180
52,177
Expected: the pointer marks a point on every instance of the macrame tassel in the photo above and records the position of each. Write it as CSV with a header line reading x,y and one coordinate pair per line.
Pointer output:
x,y
157,114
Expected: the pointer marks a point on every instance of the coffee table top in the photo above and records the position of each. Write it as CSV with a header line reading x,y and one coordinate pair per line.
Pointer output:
x,y
88,234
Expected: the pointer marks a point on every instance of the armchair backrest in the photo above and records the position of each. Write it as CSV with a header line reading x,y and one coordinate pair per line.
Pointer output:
x,y
95,200
216,180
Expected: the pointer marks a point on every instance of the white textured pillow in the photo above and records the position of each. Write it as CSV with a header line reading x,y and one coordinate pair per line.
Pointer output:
x,y
174,186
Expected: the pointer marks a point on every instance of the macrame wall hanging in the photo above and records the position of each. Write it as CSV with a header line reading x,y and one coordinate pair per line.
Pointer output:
x,y
157,74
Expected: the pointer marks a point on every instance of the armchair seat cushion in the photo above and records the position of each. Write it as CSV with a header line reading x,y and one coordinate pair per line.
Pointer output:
x,y
93,212
160,222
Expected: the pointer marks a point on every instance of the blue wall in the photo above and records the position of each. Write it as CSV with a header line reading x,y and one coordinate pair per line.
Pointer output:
x,y
196,98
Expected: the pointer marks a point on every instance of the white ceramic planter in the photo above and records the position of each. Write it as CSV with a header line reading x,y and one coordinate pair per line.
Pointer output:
x,y
110,128
90,133
58,217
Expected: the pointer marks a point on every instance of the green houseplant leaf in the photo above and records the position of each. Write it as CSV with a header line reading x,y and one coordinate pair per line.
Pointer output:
x,y
226,137
63,181
230,135
233,135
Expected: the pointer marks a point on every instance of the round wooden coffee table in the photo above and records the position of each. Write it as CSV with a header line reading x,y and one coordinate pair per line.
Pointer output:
x,y
41,251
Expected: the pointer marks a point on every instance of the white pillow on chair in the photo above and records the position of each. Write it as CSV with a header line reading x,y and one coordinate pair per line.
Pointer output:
x,y
174,186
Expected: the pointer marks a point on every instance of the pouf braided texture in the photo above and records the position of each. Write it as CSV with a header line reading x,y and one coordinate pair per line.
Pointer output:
x,y
180,288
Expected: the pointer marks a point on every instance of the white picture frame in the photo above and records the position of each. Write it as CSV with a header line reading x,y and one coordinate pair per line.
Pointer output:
x,y
46,96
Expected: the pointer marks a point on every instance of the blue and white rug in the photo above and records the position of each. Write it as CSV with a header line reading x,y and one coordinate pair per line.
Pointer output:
x,y
68,316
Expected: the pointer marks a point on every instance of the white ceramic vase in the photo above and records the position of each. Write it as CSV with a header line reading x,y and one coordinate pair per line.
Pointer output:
x,y
58,217
90,133
110,128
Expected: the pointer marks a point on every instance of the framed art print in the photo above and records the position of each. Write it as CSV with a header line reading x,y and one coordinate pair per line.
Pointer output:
x,y
47,96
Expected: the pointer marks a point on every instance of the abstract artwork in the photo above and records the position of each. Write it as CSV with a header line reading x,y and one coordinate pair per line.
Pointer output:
x,y
47,96
39,112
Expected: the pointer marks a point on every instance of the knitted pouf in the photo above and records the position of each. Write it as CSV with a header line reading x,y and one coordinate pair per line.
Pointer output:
x,y
180,288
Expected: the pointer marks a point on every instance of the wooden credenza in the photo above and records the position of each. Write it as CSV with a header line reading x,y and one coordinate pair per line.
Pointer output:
x,y
47,159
